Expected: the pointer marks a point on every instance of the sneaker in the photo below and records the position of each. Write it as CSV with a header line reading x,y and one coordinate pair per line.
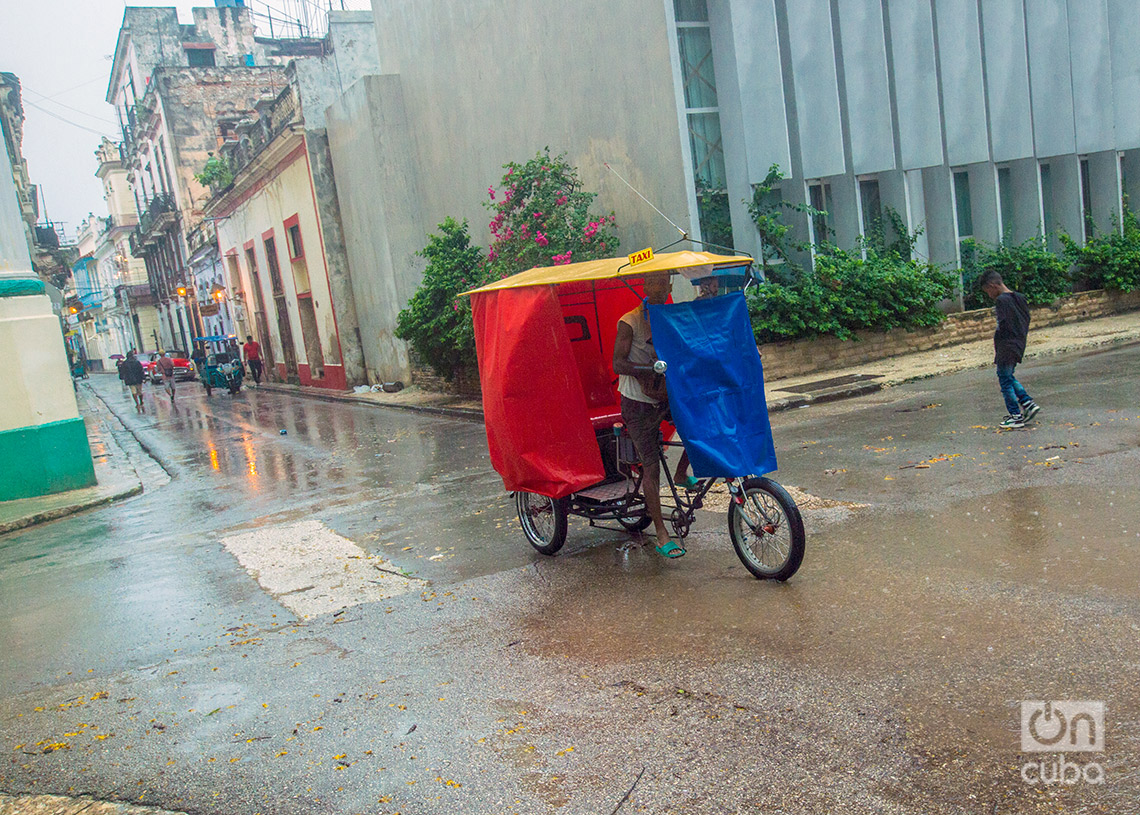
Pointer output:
x,y
1012,422
1029,410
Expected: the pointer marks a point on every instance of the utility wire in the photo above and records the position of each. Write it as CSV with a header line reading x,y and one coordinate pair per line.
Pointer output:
x,y
684,234
69,107
67,121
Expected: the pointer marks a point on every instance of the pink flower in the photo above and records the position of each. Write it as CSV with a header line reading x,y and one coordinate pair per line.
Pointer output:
x,y
561,260
538,215
491,192
602,246
492,255
591,230
540,239
562,200
509,171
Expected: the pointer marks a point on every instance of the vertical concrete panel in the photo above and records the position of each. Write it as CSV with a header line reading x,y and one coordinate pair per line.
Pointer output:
x,y
892,193
1123,36
916,212
1007,79
942,230
1104,183
816,87
916,83
1092,74
1065,172
984,202
1050,76
761,86
1027,217
963,94
868,92
844,217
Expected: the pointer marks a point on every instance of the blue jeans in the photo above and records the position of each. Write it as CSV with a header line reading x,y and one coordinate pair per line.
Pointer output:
x,y
1015,396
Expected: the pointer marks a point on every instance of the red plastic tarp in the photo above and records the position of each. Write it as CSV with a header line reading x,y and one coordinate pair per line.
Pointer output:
x,y
538,422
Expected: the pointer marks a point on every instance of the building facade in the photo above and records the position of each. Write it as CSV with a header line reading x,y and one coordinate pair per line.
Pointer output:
x,y
177,91
43,440
279,221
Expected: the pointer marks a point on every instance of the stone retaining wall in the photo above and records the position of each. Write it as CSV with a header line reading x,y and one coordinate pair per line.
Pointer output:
x,y
800,357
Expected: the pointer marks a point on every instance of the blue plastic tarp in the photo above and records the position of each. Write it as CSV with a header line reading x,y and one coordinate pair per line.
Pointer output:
x,y
716,385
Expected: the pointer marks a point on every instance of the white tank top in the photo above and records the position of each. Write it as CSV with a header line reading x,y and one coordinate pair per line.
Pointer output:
x,y
641,352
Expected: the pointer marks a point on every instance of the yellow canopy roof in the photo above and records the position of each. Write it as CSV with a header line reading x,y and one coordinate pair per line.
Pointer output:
x,y
609,268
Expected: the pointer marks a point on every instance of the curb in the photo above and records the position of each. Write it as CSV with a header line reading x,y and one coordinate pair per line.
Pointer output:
x,y
63,512
470,414
163,462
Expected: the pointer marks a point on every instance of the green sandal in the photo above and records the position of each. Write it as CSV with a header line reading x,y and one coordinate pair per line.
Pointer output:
x,y
670,550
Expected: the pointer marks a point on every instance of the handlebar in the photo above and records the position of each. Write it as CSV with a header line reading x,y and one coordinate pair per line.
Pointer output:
x,y
658,367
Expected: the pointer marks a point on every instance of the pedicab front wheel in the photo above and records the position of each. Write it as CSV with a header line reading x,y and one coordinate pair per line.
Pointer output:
x,y
767,530
543,520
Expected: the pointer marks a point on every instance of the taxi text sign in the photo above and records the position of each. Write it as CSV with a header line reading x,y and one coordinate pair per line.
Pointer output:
x,y
641,257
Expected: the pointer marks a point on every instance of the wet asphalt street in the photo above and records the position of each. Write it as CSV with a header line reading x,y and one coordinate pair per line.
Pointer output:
x,y
155,652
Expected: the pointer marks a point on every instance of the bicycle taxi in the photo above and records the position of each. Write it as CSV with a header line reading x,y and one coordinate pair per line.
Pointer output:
x,y
545,340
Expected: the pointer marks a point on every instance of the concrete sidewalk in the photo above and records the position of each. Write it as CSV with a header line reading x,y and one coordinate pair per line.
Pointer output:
x,y
118,460
823,386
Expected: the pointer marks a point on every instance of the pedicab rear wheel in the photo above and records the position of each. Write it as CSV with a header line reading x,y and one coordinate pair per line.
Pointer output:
x,y
543,520
767,530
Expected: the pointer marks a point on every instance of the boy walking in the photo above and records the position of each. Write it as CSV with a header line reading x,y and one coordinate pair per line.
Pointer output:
x,y
1012,313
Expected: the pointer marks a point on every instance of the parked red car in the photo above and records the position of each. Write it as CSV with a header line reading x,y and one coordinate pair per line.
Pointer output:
x,y
183,367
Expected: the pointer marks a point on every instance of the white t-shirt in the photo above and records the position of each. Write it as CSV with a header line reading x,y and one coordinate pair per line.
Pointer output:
x,y
641,352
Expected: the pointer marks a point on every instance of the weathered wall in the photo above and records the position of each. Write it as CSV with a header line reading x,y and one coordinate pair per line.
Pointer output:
x,y
801,357
285,192
424,140
373,149
589,78
192,100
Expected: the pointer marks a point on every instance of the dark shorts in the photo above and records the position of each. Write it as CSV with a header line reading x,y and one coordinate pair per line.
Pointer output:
x,y
643,423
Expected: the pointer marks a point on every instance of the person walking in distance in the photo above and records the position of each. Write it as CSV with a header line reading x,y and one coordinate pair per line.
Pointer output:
x,y
252,352
1012,313
133,376
166,365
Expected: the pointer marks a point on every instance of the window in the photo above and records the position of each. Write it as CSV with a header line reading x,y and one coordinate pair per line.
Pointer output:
x,y
1047,198
1086,200
297,257
200,57
1005,201
274,268
872,207
702,115
962,208
819,197
296,248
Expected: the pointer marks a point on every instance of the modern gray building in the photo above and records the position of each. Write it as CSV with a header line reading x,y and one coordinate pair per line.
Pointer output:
x,y
999,120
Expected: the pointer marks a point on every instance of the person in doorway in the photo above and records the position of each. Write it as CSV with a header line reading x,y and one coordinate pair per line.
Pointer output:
x,y
1012,313
133,376
252,353
166,365
644,402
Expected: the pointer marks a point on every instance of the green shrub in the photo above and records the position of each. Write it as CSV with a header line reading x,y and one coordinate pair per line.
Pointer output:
x,y
437,322
215,174
1109,261
1029,267
847,292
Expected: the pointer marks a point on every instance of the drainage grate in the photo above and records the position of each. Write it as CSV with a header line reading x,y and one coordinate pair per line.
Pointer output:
x,y
834,382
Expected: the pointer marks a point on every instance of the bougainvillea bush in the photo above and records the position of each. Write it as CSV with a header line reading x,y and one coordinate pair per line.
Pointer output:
x,y
541,217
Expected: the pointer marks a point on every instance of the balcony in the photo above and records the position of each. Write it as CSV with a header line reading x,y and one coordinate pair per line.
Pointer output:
x,y
249,136
161,212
